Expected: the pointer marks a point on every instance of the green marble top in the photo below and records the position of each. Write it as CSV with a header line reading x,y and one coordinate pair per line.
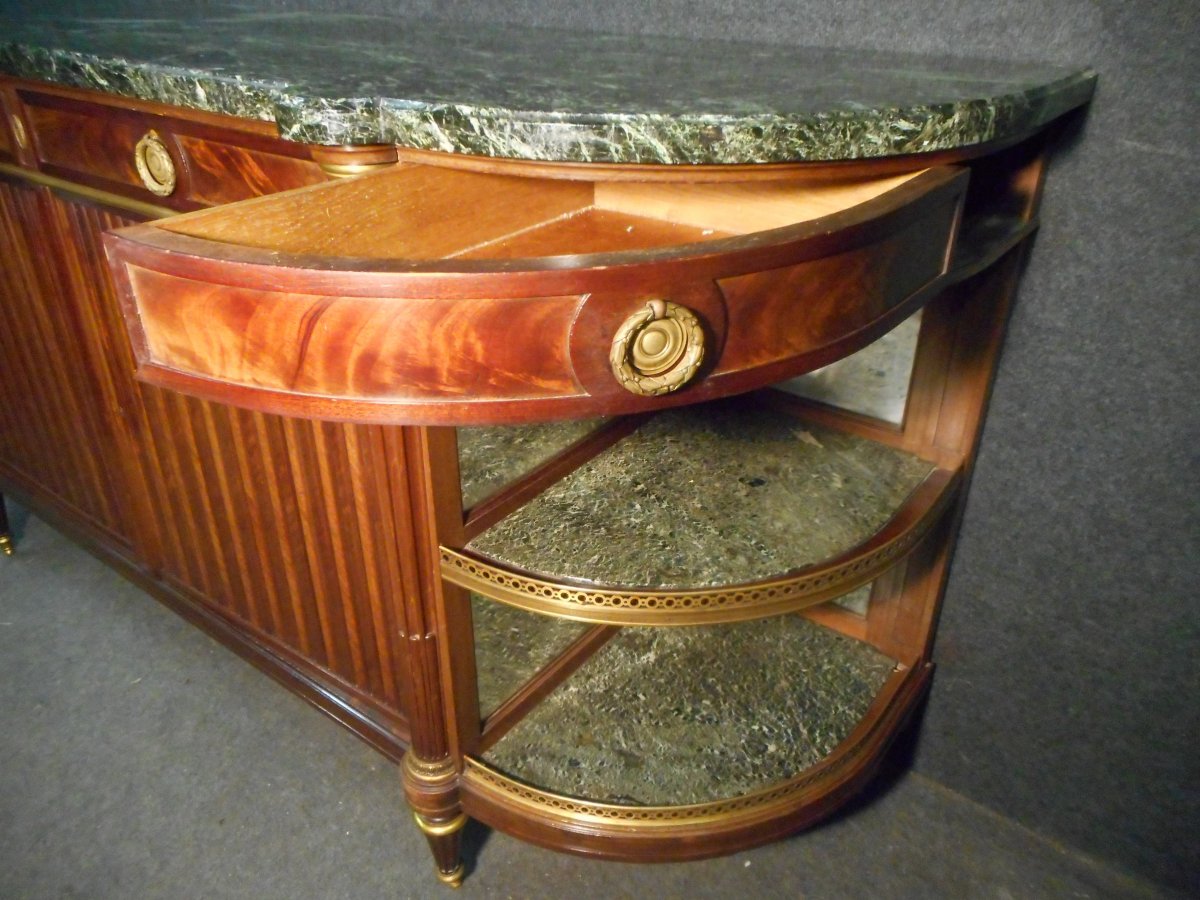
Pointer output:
x,y
541,94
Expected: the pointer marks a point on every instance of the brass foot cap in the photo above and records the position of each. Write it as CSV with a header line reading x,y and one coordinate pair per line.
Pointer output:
x,y
453,879
6,545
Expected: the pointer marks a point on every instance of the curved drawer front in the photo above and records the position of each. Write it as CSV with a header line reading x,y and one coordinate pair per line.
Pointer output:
x,y
425,295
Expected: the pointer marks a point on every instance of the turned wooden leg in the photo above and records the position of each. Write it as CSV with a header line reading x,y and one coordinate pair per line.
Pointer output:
x,y
6,540
432,790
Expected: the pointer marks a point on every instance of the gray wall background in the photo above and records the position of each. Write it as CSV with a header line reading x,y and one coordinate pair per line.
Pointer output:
x,y
1068,683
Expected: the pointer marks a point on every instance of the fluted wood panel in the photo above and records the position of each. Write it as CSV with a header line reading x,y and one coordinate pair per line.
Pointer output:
x,y
277,522
278,525
59,409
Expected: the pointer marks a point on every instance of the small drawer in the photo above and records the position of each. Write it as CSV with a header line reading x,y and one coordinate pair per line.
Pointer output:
x,y
180,163
98,145
429,294
226,171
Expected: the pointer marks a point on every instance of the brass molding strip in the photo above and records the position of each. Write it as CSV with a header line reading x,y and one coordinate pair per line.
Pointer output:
x,y
138,207
348,170
890,707
346,161
802,588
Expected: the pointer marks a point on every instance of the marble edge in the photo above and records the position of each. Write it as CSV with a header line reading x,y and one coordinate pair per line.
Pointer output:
x,y
669,139
829,136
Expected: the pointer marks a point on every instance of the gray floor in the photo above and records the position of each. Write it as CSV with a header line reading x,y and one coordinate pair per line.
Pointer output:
x,y
140,759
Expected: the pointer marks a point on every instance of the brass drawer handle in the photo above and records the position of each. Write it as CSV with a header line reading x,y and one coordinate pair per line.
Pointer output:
x,y
154,165
657,350
18,130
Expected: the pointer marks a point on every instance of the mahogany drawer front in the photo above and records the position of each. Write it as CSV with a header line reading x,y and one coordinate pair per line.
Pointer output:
x,y
222,172
324,302
190,164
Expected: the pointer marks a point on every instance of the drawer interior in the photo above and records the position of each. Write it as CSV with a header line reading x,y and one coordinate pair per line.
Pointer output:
x,y
423,212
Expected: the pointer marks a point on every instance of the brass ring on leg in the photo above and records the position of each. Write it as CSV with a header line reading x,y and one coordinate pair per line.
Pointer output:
x,y
432,830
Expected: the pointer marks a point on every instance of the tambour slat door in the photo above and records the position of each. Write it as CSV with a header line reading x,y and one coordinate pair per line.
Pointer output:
x,y
64,362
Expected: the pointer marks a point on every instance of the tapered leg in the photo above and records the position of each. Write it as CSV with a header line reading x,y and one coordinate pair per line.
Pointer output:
x,y
436,661
432,790
6,540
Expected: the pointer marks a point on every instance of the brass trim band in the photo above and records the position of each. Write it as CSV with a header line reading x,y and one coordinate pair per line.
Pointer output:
x,y
432,829
804,587
454,878
431,772
479,775
347,170
138,207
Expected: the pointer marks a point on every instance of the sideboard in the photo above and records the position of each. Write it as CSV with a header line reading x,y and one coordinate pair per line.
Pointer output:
x,y
597,457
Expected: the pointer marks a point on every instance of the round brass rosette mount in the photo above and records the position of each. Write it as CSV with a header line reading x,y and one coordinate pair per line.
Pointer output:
x,y
658,349
154,165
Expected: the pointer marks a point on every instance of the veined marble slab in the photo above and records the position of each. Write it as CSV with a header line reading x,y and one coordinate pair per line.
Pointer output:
x,y
511,646
491,457
536,94
713,494
688,715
